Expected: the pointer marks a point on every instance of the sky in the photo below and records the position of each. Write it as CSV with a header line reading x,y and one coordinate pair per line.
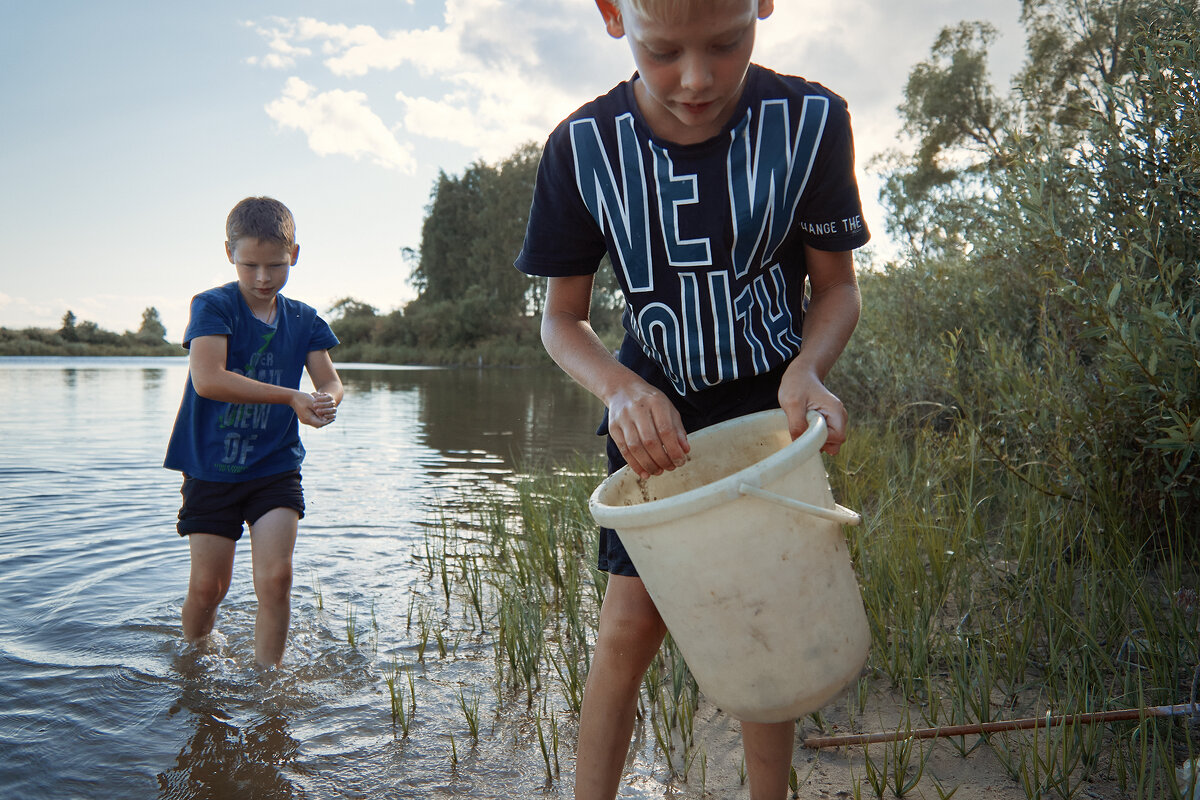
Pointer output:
x,y
129,128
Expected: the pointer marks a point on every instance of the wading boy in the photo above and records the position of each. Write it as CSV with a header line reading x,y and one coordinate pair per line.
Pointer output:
x,y
236,439
716,187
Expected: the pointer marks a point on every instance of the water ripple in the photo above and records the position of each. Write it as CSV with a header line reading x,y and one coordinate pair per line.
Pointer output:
x,y
102,696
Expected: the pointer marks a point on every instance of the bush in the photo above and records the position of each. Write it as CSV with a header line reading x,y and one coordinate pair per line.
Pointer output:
x,y
1066,335
1106,407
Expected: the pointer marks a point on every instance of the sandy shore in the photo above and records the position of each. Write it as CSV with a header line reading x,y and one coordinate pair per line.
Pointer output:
x,y
835,772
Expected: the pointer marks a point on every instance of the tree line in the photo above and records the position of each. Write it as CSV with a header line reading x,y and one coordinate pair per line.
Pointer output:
x,y
85,338
472,305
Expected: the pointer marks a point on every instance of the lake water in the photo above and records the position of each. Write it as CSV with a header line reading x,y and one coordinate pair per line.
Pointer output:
x,y
101,697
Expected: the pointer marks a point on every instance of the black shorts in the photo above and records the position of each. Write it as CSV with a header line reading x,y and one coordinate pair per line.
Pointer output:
x,y
722,402
220,508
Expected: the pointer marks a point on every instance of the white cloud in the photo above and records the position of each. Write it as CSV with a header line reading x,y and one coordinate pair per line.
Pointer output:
x,y
465,127
339,122
20,312
352,52
283,53
490,77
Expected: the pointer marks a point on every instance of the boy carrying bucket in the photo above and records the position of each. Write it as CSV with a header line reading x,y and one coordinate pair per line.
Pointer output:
x,y
716,187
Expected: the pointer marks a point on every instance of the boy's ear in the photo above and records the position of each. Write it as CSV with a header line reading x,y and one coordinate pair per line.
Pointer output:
x,y
765,7
612,18
229,252
295,253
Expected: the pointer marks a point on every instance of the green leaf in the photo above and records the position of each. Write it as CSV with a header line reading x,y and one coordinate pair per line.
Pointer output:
x,y
1114,294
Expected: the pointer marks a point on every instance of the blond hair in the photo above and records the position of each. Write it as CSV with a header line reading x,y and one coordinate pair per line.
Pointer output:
x,y
669,10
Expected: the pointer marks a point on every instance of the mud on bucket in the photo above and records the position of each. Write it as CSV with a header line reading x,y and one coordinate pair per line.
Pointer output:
x,y
742,551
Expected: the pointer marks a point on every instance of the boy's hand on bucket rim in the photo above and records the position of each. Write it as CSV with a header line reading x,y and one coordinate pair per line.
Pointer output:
x,y
803,393
646,428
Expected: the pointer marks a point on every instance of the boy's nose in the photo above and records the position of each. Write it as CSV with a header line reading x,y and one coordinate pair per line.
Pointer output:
x,y
695,73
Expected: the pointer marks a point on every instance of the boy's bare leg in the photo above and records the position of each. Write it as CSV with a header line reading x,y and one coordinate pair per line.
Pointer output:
x,y
768,748
629,636
212,566
272,539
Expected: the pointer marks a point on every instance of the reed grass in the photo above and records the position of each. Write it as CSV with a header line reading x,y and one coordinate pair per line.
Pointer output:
x,y
318,597
352,629
986,597
470,709
401,717
985,600
549,747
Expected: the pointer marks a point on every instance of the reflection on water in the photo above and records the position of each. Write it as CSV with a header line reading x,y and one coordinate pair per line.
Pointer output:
x,y
224,760
240,744
101,696
527,414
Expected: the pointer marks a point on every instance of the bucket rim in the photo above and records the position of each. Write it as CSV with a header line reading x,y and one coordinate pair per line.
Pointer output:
x,y
722,490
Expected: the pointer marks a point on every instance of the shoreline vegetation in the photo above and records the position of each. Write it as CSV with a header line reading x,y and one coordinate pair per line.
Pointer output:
x,y
987,600
520,346
47,342
86,338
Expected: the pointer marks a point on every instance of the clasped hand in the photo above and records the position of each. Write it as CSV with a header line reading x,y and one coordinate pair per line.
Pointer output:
x,y
317,409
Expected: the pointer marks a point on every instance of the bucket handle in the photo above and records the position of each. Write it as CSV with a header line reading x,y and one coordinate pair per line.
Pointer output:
x,y
838,514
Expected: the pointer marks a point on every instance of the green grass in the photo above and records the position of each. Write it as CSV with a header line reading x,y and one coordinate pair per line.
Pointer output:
x,y
986,600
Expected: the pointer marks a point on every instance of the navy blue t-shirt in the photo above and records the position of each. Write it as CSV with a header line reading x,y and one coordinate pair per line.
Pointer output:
x,y
707,239
231,442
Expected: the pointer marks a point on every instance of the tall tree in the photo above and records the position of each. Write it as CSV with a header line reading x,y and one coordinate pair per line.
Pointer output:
x,y
67,331
152,328
964,129
473,229
957,122
440,271
1076,49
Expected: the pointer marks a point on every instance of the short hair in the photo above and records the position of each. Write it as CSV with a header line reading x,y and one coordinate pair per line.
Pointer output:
x,y
262,218
665,9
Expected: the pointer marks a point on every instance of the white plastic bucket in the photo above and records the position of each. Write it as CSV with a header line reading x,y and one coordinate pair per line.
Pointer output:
x,y
743,553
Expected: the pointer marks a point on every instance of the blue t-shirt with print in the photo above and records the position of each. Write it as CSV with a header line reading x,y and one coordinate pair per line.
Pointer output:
x,y
232,442
707,239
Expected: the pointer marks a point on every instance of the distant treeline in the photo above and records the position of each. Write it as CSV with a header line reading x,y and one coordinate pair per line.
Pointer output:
x,y
75,338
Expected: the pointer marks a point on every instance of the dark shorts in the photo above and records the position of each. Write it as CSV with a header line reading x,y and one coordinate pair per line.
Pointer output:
x,y
221,508
699,410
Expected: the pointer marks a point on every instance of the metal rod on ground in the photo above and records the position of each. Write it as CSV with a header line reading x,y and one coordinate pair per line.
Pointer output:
x,y
817,742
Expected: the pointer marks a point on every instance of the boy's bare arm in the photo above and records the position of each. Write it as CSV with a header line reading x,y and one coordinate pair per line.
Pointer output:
x,y
641,420
832,314
328,385
210,378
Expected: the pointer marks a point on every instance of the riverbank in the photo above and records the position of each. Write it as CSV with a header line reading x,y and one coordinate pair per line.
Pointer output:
x,y
44,342
987,601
